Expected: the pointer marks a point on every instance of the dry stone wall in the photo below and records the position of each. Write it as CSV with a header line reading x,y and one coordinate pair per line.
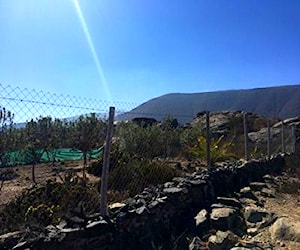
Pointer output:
x,y
160,217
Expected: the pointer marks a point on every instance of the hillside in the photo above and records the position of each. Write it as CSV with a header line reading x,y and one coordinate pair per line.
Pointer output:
x,y
275,102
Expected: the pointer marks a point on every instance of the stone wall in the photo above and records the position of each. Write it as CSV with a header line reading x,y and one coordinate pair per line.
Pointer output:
x,y
158,218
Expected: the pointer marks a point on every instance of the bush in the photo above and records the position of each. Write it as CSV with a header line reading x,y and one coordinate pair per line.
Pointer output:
x,y
149,142
43,205
134,176
219,150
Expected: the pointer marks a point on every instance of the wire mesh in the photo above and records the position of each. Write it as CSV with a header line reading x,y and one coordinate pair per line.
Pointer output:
x,y
149,147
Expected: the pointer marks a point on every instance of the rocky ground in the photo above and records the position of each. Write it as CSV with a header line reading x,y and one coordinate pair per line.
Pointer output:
x,y
268,212
270,218
264,215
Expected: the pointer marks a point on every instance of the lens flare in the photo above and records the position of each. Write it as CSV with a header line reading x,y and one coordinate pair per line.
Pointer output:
x,y
92,48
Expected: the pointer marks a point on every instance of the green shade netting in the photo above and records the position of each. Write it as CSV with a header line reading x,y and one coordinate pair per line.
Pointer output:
x,y
41,156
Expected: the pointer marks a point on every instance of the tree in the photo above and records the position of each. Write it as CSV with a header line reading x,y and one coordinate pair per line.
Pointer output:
x,y
141,142
88,132
6,122
50,135
33,139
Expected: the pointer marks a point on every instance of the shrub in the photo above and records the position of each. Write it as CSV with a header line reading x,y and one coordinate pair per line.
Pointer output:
x,y
149,142
219,150
46,204
134,176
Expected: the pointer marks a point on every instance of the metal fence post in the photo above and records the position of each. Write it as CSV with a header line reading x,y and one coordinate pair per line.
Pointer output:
x,y
282,137
293,139
104,176
246,136
208,160
268,140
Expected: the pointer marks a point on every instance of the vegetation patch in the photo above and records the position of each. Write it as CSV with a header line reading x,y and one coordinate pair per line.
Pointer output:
x,y
42,205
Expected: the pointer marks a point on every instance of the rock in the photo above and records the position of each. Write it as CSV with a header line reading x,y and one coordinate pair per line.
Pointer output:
x,y
169,184
75,221
201,222
244,248
258,217
196,244
7,241
21,245
252,231
141,210
172,190
118,206
240,248
268,178
257,186
222,240
232,202
227,218
247,193
285,229
265,192
254,214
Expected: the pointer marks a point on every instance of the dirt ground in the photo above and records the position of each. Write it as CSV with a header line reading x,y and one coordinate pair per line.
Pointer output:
x,y
284,204
43,172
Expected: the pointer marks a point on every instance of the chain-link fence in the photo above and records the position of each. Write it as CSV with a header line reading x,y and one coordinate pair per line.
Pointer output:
x,y
62,132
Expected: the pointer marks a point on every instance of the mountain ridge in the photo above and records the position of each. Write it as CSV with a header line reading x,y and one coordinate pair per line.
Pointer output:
x,y
276,102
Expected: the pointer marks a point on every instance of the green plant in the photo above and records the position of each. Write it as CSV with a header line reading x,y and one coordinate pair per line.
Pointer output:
x,y
219,150
134,176
48,203
88,132
149,142
42,214
6,121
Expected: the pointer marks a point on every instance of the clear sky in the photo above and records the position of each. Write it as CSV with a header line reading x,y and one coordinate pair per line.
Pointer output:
x,y
135,50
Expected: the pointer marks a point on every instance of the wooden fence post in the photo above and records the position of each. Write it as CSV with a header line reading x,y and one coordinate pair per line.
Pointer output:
x,y
208,160
246,136
104,176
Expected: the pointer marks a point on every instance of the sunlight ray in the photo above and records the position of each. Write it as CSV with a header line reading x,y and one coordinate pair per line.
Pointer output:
x,y
93,50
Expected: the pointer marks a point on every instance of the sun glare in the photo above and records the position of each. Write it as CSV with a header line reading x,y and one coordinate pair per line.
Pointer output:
x,y
92,48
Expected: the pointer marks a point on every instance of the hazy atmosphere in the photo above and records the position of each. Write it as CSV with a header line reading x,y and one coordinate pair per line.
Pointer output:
x,y
133,51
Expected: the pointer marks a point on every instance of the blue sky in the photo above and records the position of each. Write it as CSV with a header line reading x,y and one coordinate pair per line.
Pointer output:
x,y
148,48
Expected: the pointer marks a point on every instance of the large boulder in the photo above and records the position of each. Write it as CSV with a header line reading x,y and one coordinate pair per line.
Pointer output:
x,y
285,229
258,217
227,218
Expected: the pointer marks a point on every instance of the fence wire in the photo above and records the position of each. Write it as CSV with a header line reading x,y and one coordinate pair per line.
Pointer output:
x,y
66,132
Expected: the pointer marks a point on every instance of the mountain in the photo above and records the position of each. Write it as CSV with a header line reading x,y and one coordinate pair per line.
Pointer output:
x,y
276,102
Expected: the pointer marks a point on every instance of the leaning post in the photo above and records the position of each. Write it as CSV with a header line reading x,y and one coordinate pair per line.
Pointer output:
x,y
104,176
